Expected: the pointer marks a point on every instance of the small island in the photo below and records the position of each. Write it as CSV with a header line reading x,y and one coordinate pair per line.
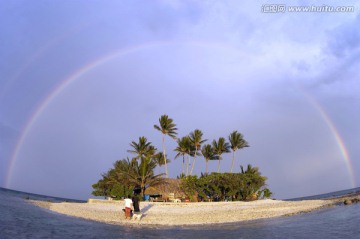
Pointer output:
x,y
188,199
181,214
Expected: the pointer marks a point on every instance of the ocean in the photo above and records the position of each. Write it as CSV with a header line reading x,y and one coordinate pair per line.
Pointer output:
x,y
20,219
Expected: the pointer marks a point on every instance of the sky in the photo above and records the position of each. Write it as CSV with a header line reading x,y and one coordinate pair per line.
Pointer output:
x,y
80,80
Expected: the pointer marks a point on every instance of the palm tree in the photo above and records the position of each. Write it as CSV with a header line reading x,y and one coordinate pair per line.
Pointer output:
x,y
250,170
237,142
196,141
142,148
166,126
139,174
220,147
209,154
182,149
252,180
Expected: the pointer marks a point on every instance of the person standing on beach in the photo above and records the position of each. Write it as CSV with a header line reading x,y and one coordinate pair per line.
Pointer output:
x,y
128,205
136,203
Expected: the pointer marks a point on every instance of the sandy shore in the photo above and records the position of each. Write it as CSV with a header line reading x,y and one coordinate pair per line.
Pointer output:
x,y
171,214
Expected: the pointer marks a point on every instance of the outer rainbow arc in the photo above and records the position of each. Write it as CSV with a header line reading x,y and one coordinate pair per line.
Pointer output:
x,y
132,49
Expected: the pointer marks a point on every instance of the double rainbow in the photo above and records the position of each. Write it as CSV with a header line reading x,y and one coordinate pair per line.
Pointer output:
x,y
129,50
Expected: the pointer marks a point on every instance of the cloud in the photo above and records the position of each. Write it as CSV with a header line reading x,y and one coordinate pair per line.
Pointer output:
x,y
344,40
339,57
225,66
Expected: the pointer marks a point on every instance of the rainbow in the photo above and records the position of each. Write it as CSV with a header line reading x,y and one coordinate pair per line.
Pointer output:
x,y
133,49
78,74
336,135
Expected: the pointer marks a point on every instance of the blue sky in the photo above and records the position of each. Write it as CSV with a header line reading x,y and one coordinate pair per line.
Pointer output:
x,y
287,81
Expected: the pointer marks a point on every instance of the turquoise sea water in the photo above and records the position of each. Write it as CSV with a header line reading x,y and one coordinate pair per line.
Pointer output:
x,y
19,219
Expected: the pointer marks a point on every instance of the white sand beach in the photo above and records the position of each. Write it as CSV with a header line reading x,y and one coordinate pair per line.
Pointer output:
x,y
171,214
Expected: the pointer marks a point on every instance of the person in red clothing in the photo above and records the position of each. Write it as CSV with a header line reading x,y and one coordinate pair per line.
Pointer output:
x,y
128,205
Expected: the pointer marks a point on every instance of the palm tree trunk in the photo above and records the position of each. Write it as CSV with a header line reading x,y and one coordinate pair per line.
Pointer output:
x,y
207,166
164,153
183,166
187,165
219,165
232,164
142,193
193,164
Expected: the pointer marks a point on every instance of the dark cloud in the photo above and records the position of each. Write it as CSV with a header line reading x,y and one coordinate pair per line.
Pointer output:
x,y
344,40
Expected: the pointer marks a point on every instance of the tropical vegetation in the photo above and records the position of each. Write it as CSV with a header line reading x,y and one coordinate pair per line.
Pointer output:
x,y
138,172
245,186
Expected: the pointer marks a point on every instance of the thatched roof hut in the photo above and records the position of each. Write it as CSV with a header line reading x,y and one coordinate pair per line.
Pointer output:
x,y
170,185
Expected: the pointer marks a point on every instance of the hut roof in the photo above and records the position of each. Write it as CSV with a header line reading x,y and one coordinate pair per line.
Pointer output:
x,y
170,185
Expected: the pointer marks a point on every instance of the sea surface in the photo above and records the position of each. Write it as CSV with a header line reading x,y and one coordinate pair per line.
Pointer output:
x,y
20,219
